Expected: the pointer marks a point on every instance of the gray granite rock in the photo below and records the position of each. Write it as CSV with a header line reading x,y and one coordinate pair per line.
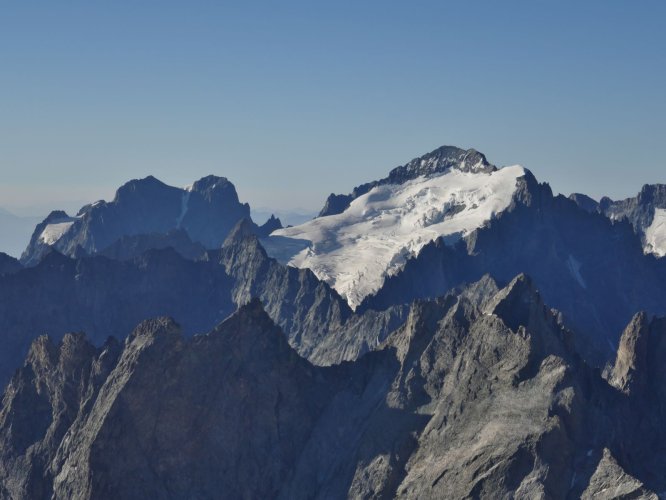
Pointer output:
x,y
468,399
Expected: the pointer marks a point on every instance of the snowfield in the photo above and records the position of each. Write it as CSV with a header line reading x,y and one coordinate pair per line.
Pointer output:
x,y
655,235
355,250
53,232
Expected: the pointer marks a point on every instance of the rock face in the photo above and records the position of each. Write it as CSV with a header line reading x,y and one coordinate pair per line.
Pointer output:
x,y
106,297
639,209
438,161
317,321
585,202
639,372
477,395
207,211
610,481
41,404
130,247
646,212
154,420
630,367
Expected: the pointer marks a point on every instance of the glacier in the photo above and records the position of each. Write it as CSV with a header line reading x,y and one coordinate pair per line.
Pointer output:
x,y
354,251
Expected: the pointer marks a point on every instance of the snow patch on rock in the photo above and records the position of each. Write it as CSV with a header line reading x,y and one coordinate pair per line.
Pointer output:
x,y
53,232
655,235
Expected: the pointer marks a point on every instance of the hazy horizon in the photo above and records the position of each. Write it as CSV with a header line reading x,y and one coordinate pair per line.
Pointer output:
x,y
293,101
71,200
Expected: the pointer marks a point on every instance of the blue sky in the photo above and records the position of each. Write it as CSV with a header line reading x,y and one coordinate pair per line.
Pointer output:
x,y
294,100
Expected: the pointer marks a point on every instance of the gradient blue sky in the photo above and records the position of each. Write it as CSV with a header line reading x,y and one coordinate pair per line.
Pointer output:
x,y
293,100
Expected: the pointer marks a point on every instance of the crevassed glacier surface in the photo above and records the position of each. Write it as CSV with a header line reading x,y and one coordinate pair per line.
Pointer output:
x,y
355,250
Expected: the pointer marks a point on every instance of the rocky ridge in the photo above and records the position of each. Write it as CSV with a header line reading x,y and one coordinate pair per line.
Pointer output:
x,y
477,395
104,296
646,212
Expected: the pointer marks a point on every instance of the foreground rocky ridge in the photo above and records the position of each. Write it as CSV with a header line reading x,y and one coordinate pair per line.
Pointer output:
x,y
479,394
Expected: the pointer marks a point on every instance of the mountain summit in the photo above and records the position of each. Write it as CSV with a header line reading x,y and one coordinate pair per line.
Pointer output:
x,y
447,193
439,161
207,210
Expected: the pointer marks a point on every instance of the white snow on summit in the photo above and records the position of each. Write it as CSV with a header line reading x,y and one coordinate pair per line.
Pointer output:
x,y
655,235
355,250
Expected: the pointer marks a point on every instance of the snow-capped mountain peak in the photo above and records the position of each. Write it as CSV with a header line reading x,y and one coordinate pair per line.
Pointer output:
x,y
372,238
439,161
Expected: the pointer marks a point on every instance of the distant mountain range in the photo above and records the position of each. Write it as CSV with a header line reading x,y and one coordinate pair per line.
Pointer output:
x,y
646,212
207,211
451,330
